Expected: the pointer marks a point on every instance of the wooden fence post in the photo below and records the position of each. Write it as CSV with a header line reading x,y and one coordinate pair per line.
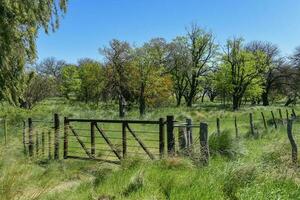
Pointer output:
x,y
236,127
264,120
182,139
189,131
66,142
292,141
251,124
161,138
280,115
274,120
218,127
204,143
56,136
93,148
37,143
30,144
170,135
24,137
124,139
43,143
49,145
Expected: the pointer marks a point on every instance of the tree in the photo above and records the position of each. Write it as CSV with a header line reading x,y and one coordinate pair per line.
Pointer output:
x,y
38,87
91,80
51,67
71,82
19,25
118,59
150,61
243,68
178,63
201,51
273,63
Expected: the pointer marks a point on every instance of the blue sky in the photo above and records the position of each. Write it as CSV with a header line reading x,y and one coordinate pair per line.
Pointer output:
x,y
90,24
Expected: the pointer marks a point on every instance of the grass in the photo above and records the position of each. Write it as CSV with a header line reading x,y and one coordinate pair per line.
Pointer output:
x,y
243,168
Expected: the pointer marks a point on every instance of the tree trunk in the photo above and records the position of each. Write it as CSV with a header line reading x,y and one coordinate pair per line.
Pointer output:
x,y
142,103
121,106
203,95
212,98
178,100
235,102
265,98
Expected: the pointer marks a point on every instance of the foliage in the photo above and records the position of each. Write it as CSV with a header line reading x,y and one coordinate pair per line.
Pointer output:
x,y
19,24
71,82
243,69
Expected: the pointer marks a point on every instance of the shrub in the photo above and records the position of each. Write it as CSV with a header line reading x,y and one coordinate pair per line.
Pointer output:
x,y
223,144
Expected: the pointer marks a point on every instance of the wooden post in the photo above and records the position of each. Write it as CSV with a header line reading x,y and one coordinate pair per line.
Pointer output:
x,y
124,139
30,147
292,141
170,135
66,142
287,115
251,124
161,138
204,143
49,145
93,148
5,130
218,127
274,121
24,137
189,131
56,136
182,139
236,127
264,120
37,143
280,115
43,143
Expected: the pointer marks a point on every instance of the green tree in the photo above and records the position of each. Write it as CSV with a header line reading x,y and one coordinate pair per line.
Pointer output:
x,y
178,63
274,64
119,58
243,69
71,82
20,21
201,51
150,80
91,79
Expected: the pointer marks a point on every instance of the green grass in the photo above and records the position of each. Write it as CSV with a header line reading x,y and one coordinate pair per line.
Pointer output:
x,y
239,168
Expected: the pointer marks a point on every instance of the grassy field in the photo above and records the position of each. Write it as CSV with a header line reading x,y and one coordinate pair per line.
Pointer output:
x,y
250,168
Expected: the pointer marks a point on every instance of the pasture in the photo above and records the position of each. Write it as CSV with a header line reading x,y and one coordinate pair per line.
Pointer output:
x,y
243,167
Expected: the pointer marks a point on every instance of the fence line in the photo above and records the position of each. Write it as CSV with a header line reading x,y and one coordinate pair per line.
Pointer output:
x,y
130,140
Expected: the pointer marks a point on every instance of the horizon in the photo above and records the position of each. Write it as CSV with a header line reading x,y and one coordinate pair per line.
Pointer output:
x,y
86,27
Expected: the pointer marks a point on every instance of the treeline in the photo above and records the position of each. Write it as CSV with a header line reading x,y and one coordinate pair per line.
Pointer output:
x,y
186,70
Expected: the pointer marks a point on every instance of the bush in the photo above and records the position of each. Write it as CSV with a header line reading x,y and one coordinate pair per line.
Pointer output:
x,y
223,144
